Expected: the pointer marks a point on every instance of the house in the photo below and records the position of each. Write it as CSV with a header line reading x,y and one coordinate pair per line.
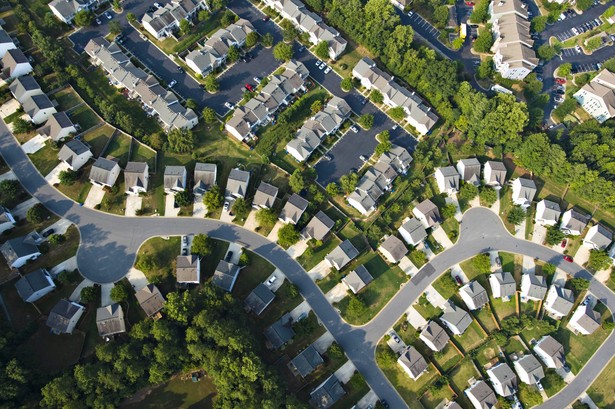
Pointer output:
x,y
64,316
225,275
393,249
529,369
434,336
318,227
598,237
399,158
357,279
427,213
205,175
342,255
456,319
104,172
474,295
188,269
25,87
585,320
7,221
18,251
237,184
136,177
165,20
413,232
503,285
469,170
265,196
280,332
150,299
451,405
523,192
306,362
559,301
503,379
494,174
15,64
75,154
547,213
175,179
65,10
447,179
259,299
39,108
533,287
550,352
598,96
293,209
574,222
481,396
35,285
58,127
6,43
327,393
110,320
370,188
412,362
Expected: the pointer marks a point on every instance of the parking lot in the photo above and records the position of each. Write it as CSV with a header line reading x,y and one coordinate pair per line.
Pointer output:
x,y
578,29
570,52
416,19
579,68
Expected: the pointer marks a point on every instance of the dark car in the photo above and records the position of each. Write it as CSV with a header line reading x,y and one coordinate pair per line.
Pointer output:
x,y
48,233
184,252
266,18
458,279
180,69
229,256
568,258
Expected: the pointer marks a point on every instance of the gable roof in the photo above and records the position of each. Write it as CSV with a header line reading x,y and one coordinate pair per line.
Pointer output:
x,y
237,182
294,208
562,301
577,220
415,229
35,103
436,335
586,318
551,210
307,361
413,360
101,170
18,247
599,236
476,292
327,393
30,283
498,172
531,366
343,253
20,86
110,320
225,275
483,394
470,168
358,278
507,283
537,287
265,195
186,268
259,299
395,247
550,347
205,175
456,317
428,209
280,332
57,122
505,376
60,315
150,298
527,188
319,226
174,177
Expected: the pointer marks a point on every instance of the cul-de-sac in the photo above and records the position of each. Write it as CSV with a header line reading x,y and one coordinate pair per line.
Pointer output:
x,y
294,204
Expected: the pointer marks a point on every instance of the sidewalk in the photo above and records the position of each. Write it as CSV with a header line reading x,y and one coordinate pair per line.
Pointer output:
x,y
76,294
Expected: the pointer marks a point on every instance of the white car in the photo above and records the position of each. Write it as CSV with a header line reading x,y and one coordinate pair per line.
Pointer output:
x,y
226,206
318,62
157,5
228,105
257,80
272,280
328,70
363,158
172,84
322,66
354,129
410,13
539,386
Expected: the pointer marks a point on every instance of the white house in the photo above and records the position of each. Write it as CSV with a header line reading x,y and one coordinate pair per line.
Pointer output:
x,y
75,154
469,170
559,301
39,108
434,336
65,10
529,369
533,287
547,213
413,232
456,319
110,320
35,285
104,172
393,249
574,222
136,177
474,295
188,269
165,20
237,184
447,179
427,213
343,254
598,96
523,192
293,209
503,379
598,237
412,362
7,221
18,251
6,43
175,179
550,352
64,316
481,395
503,285
494,174
15,64
585,320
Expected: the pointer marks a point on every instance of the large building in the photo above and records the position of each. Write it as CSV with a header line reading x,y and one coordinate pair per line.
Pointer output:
x,y
166,20
598,96
65,10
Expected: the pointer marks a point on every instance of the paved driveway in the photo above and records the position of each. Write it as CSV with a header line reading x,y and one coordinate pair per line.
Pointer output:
x,y
323,342
345,372
54,176
407,267
169,206
22,208
137,279
9,108
67,265
133,204
320,271
337,293
8,176
415,319
297,249
35,144
441,237
199,209
95,196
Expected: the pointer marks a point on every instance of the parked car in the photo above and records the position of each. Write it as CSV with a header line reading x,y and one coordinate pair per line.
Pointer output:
x,y
458,279
157,5
226,206
558,99
354,129
396,339
229,256
568,258
327,157
172,84
560,91
180,69
586,300
266,18
301,49
394,127
560,80
48,232
498,261
384,404
228,105
564,242
318,62
327,70
257,80
108,15
249,87
363,158
322,66
185,240
469,3
98,22
410,13
363,101
184,251
272,280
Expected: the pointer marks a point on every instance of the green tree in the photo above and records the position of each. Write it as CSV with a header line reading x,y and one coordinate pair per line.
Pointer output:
x,y
332,189
484,41
316,106
244,259
457,43
385,144
283,52
565,108
88,294
10,190
84,18
546,52
184,27
213,198
37,213
539,23
21,126
593,43
564,70
448,210
267,40
297,181
322,50
488,195
184,198
240,208
209,115
356,307
266,217
68,177
468,192
515,215
482,263
346,84
191,103
211,83
485,69
251,39
376,96
114,27
201,245
227,18
366,121
440,16
397,113
288,235
579,284
132,19
599,260
119,293
349,182
56,239
180,140
233,54
553,236
179,306
480,12
335,351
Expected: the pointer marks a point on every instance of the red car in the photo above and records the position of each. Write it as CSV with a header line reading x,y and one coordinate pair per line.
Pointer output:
x,y
560,81
470,3
458,279
564,242
249,87
568,259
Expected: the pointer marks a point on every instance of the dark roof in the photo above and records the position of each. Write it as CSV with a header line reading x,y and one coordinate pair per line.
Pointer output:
x,y
225,275
61,314
259,299
110,320
294,208
483,394
456,317
265,195
186,268
307,361
343,254
16,248
552,348
325,395
413,360
395,247
4,37
76,146
150,298
23,84
319,226
415,230
436,335
280,332
104,164
32,282
204,175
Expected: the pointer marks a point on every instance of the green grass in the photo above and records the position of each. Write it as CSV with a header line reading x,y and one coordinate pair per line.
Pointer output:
x,y
164,253
472,337
67,99
432,398
282,304
79,190
351,232
98,139
142,153
251,275
487,353
508,261
178,393
355,389
503,309
486,319
444,290
119,148
115,200
514,346
85,117
45,159
601,391
451,227
197,32
309,262
428,311
470,270
459,380
447,358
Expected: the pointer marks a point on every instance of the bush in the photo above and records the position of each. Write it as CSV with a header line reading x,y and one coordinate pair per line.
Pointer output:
x,y
598,260
468,192
322,50
516,215
482,263
335,351
448,210
283,52
397,113
201,245
183,198
539,23
88,294
346,84
554,236
211,83
288,235
366,121
213,198
21,126
119,292
488,196
356,307
56,239
484,42
68,177
37,213
266,217
376,96
251,39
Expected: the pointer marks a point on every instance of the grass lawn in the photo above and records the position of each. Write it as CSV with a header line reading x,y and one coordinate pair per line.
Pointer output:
x,y
349,59
446,291
459,379
98,138
67,98
119,148
503,309
505,206
451,227
355,389
197,32
447,358
515,346
432,398
21,313
418,258
425,308
85,117
486,319
528,308
253,274
79,190
164,252
114,201
282,304
352,233
472,337
177,393
487,353
142,153
470,269
508,261
209,263
55,254
45,159
601,390
309,262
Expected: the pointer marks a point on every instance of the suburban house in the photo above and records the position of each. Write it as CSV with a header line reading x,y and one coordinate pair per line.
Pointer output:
x,y
474,295
481,395
598,96
175,179
343,254
523,192
225,275
469,170
75,154
18,251
65,10
215,50
559,301
165,20
188,269
413,232
427,213
503,379
205,175
418,115
412,362
450,404
259,299
357,279
136,177
550,352
318,227
15,64
64,316
503,285
25,87
104,172
39,108
456,319
110,320
6,43
237,184
150,299
399,158
306,362
574,222
585,320
265,196
434,336
35,285
58,127
547,213
529,369
447,179
370,188
533,287
393,249
7,221
598,237
327,393
280,332
494,174
293,209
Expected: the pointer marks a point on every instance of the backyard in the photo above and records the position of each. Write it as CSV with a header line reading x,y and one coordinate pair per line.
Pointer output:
x,y
85,117
45,159
119,148
179,392
98,138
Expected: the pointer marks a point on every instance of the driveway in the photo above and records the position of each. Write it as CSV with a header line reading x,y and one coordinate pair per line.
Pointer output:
x,y
456,271
67,265
169,206
529,266
298,248
54,176
35,144
368,401
95,196
415,319
105,294
280,277
323,343
133,204
434,297
236,249
9,108
22,208
320,271
226,216
540,233
60,226
453,200
493,255
345,372
273,234
582,255
337,293
441,237
300,311
137,279
199,209
407,267
8,176
397,347
76,294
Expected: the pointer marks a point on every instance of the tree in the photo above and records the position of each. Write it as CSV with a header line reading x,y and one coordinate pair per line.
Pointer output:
x,y
484,42
251,39
55,239
289,31
332,189
448,210
227,18
131,18
515,215
366,121
553,236
233,54
88,294
21,126
579,284
114,27
457,43
119,292
184,26
565,108
316,106
267,40
10,190
296,181
397,113
244,258
539,23
84,18
180,140
191,103
385,144
356,307
468,192
376,96
322,50
283,52
488,195
37,213
213,199
209,115
546,52
599,260
266,217
288,235
349,182
211,83
184,198
593,43
485,69
482,262
346,84
201,245
564,70
240,208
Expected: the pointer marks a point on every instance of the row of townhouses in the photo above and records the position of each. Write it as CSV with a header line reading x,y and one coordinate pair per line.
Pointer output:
x,y
165,20
124,74
598,96
65,10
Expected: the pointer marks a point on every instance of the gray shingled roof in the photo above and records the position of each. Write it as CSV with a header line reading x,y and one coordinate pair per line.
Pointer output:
x,y
413,360
32,282
538,285
134,174
307,361
61,314
342,254
498,172
508,285
456,317
531,366
587,318
225,275
204,176
601,237
551,211
564,300
527,189
552,348
18,247
505,376
577,221
415,229
101,170
395,247
430,211
150,298
471,170
110,320
259,299
483,394
294,208
436,334
20,86
358,278
265,195
237,182
326,394
280,332
174,177
186,268
476,292
319,226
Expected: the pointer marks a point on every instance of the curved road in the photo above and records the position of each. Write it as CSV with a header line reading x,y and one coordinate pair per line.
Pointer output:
x,y
109,244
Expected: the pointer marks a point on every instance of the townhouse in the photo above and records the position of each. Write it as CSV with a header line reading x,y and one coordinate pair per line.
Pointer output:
x,y
65,10
598,96
165,21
